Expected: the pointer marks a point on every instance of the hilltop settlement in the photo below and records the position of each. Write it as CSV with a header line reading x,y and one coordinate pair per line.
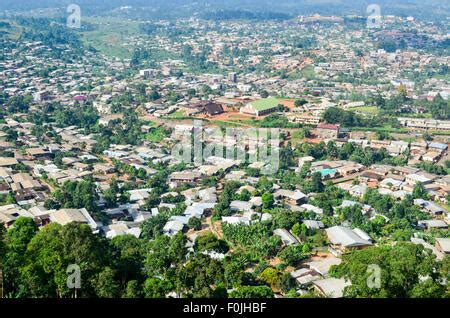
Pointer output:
x,y
88,173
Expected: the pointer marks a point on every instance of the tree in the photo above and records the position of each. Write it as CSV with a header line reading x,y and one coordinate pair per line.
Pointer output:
x,y
316,183
245,195
156,288
153,226
127,257
16,241
300,102
267,200
133,290
77,195
234,272
252,292
401,267
293,254
195,223
18,237
209,242
271,276
105,285
264,94
201,276
264,184
440,108
287,283
419,191
41,270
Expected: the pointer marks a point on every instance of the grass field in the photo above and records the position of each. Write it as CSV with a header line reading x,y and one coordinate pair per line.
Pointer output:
x,y
307,72
373,110
177,114
156,135
380,129
111,36
297,137
12,32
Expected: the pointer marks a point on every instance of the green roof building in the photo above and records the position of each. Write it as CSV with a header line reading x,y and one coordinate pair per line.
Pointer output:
x,y
261,107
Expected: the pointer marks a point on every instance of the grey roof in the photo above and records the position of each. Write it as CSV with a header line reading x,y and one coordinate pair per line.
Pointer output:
x,y
322,266
438,145
332,287
346,237
286,237
433,223
444,243
311,224
173,226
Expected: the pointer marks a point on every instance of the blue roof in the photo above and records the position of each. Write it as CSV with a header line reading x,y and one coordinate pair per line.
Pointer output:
x,y
326,172
438,145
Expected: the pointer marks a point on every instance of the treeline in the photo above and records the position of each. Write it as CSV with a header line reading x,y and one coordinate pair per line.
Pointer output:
x,y
49,33
349,119
35,263
221,15
350,151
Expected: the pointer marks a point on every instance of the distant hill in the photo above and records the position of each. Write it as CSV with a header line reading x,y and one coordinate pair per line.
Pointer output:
x,y
430,9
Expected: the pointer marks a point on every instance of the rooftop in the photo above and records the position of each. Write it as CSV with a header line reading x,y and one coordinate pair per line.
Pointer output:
x,y
264,104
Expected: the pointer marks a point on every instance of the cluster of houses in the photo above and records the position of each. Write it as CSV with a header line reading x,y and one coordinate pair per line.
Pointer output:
x,y
30,173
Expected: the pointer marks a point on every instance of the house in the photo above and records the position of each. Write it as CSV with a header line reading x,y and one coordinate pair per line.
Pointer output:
x,y
313,225
370,176
323,265
8,161
185,177
443,245
287,238
240,206
38,153
66,216
331,287
343,239
349,168
199,209
212,109
28,196
9,213
303,160
430,207
328,131
208,195
139,194
120,228
432,224
432,156
291,197
261,107
304,276
236,220
413,179
312,208
390,183
365,209
438,146
173,227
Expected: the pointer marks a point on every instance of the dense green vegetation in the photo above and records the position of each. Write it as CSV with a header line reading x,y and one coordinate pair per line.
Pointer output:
x,y
402,268
34,264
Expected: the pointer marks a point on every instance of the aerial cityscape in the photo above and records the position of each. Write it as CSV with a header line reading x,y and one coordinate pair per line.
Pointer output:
x,y
203,149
